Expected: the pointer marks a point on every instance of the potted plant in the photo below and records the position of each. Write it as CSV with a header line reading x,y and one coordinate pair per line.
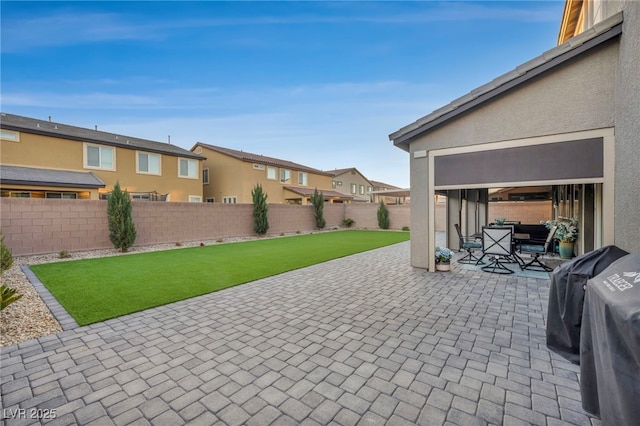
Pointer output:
x,y
443,259
566,233
500,221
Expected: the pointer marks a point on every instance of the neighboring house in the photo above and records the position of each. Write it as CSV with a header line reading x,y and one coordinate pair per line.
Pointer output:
x,y
229,176
351,182
567,119
389,194
44,159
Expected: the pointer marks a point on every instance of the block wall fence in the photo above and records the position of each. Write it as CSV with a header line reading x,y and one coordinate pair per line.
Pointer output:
x,y
39,226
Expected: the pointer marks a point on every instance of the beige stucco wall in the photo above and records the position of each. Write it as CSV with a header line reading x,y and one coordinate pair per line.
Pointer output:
x,y
64,154
577,96
231,177
346,179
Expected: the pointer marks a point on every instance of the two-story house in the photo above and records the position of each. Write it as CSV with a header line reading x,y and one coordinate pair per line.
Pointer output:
x,y
45,159
230,175
351,182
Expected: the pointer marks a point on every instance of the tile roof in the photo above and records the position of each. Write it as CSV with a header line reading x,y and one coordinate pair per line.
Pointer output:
x,y
327,193
49,128
18,175
598,34
262,159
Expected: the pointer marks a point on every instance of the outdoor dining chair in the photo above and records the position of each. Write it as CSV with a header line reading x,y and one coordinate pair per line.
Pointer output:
x,y
538,249
497,243
469,244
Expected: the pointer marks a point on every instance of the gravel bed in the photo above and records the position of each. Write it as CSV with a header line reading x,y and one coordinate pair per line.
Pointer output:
x,y
30,318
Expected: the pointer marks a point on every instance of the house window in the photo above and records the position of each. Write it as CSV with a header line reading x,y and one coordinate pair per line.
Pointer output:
x,y
285,175
258,166
148,163
369,189
302,178
361,189
229,200
62,195
354,188
10,135
339,183
205,176
142,196
272,173
211,200
333,184
187,168
195,199
99,157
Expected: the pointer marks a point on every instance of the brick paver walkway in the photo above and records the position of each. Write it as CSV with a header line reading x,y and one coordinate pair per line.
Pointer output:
x,y
364,339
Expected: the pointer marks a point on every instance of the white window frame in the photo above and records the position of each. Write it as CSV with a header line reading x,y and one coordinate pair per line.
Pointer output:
x,y
211,200
361,189
100,151
205,181
303,178
149,155
354,188
230,200
273,171
195,174
285,175
195,198
9,135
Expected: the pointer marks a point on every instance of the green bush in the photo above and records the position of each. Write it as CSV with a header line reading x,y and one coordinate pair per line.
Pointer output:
x,y
7,296
317,199
405,228
348,222
122,231
6,258
260,209
383,216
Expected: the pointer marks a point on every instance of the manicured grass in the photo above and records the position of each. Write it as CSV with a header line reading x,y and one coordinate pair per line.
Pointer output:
x,y
94,290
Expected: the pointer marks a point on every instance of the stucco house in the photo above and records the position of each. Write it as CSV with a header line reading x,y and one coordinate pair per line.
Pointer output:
x,y
230,175
351,182
567,118
45,159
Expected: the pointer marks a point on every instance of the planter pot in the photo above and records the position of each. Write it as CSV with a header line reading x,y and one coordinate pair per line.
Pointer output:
x,y
443,267
566,250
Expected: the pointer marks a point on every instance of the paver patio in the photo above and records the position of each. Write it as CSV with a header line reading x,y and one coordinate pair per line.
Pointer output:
x,y
365,339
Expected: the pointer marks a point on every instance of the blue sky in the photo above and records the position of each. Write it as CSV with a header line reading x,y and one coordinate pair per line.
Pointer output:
x,y
318,83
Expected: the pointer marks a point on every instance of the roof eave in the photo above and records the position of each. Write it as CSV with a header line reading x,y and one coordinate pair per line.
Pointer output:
x,y
531,69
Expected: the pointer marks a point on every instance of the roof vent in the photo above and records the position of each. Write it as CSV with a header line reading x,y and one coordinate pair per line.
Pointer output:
x,y
96,127
49,119
37,124
55,126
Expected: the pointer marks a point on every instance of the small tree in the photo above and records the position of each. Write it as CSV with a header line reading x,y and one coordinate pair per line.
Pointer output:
x,y
6,258
317,199
383,216
260,208
7,295
122,231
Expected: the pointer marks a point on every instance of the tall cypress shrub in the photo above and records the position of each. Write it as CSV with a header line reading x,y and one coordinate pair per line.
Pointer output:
x,y
122,231
317,199
383,216
260,209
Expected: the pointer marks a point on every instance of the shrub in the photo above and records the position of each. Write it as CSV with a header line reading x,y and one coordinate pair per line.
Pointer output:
x,y
64,254
317,199
383,216
7,296
122,231
260,209
405,228
6,258
348,222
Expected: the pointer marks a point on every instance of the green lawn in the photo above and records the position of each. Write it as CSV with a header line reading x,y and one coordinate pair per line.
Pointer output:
x,y
94,290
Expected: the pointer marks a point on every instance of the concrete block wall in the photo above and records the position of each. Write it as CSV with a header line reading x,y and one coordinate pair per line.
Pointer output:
x,y
37,226
530,212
